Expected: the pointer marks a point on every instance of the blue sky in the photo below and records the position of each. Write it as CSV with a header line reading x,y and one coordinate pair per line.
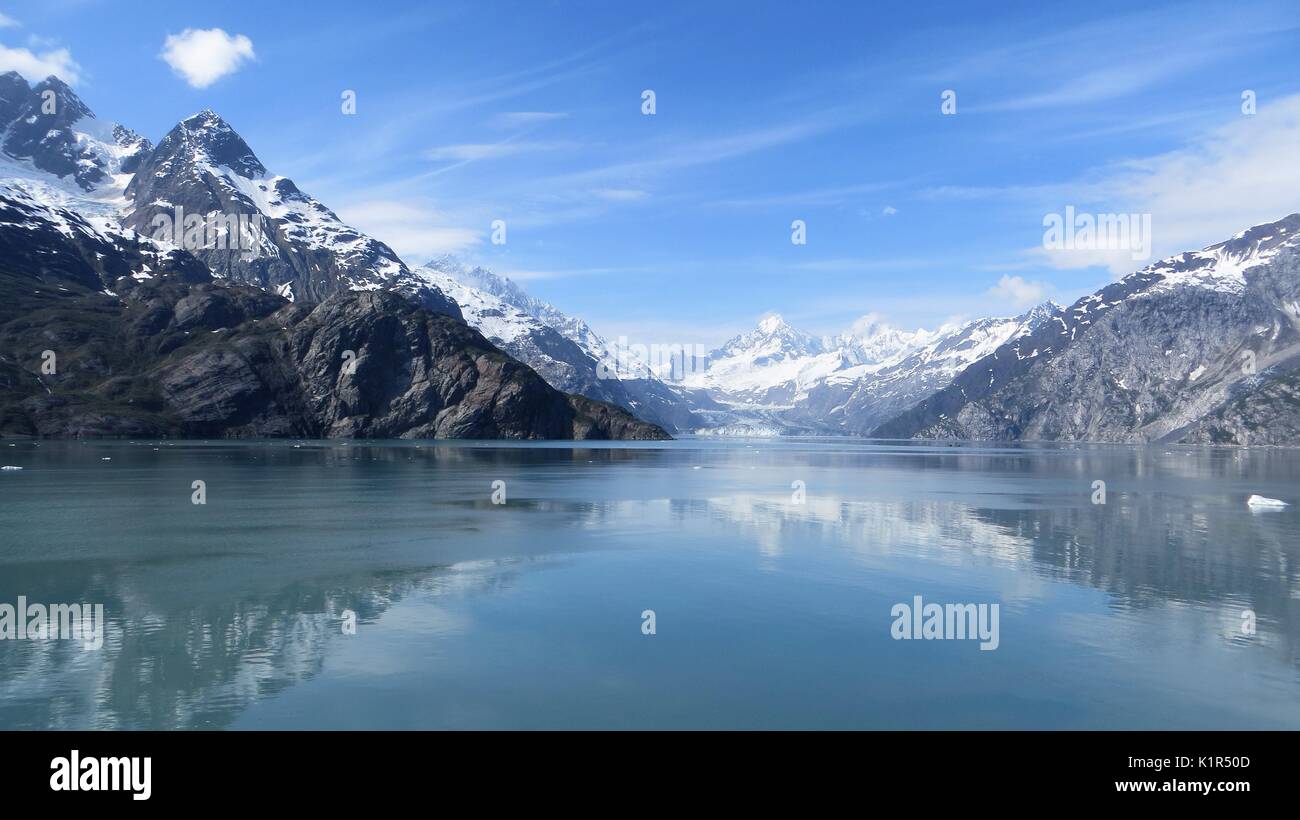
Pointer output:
x,y
676,227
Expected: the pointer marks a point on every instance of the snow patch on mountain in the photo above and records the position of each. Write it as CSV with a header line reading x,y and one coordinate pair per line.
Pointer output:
x,y
1223,266
484,282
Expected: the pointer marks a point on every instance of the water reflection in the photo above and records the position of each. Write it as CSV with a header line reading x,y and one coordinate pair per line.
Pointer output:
x,y
214,609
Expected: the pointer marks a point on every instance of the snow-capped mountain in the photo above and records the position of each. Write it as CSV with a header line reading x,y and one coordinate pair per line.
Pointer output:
x,y
775,366
1202,346
150,343
58,152
858,398
300,249
563,350
47,128
448,268
1178,351
777,378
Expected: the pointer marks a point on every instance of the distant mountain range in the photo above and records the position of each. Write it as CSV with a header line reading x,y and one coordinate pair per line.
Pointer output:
x,y
1200,347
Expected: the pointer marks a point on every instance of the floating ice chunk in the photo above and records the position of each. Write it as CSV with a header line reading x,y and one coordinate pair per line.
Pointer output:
x,y
1261,501
10,467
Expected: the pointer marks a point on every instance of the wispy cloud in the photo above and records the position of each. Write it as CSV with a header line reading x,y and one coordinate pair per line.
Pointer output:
x,y
866,264
536,274
526,119
413,229
1239,174
834,195
619,194
681,153
1104,84
475,151
1095,62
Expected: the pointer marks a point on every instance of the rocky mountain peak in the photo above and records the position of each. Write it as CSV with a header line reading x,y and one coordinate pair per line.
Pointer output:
x,y
501,287
206,138
49,126
1038,314
68,107
14,92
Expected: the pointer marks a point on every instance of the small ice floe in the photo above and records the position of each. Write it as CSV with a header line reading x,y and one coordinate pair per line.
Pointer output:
x,y
10,467
1261,501
106,458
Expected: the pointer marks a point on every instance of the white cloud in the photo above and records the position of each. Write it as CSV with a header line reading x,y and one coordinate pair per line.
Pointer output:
x,y
889,210
415,231
8,22
37,67
1019,292
1235,176
203,56
869,325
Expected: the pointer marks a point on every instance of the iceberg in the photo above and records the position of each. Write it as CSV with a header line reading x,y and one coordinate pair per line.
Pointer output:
x,y
1261,501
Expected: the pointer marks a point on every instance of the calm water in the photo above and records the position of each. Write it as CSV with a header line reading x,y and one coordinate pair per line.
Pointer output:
x,y
768,613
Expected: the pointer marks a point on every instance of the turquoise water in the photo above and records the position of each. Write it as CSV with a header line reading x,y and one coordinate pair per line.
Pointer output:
x,y
768,613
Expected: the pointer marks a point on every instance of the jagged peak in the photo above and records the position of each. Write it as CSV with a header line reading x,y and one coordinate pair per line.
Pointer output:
x,y
1046,308
206,137
52,81
477,276
68,107
204,119
448,263
11,74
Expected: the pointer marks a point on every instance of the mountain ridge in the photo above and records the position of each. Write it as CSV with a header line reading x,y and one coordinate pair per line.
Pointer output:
x,y
1152,357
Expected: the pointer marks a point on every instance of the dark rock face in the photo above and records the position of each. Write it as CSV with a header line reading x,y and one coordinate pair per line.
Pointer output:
x,y
1268,413
1149,358
14,92
172,352
55,247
